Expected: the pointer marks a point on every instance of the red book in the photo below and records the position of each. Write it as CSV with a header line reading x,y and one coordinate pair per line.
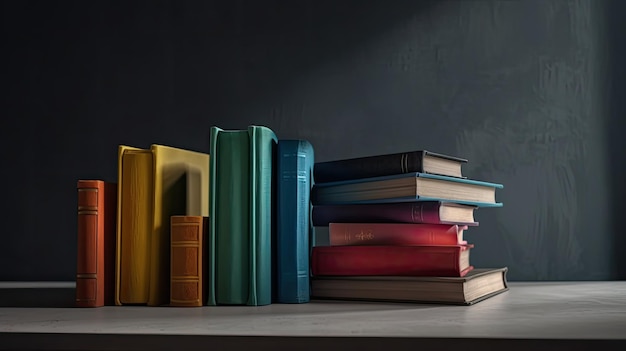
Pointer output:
x,y
95,269
440,261
395,234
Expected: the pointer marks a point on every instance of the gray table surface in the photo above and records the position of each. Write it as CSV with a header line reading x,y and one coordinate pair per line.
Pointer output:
x,y
566,311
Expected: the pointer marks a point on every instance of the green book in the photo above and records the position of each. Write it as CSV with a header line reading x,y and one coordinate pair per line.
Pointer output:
x,y
240,252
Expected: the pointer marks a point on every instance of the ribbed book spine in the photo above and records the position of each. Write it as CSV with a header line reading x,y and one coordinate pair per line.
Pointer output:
x,y
295,162
95,268
187,285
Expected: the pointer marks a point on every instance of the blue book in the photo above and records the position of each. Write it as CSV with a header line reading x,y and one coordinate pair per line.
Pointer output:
x,y
295,168
406,187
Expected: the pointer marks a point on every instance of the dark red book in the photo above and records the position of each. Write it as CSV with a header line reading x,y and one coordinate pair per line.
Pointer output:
x,y
433,212
395,234
95,269
433,260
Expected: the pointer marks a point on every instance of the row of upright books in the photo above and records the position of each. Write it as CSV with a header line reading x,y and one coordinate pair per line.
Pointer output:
x,y
235,225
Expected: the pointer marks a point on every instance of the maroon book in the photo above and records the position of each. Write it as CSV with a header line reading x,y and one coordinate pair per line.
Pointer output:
x,y
395,234
433,212
432,260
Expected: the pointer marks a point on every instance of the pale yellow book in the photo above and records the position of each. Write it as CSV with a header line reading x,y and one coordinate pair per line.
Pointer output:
x,y
179,185
181,188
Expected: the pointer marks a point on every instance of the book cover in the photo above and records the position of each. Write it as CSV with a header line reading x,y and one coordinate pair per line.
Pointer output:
x,y
388,164
407,187
477,285
241,225
433,212
341,234
95,268
181,187
154,184
295,164
444,261
188,260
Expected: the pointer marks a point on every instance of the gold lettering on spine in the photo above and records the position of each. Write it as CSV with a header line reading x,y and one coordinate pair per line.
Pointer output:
x,y
365,235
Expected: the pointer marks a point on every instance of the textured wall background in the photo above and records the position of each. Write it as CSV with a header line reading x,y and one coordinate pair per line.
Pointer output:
x,y
529,91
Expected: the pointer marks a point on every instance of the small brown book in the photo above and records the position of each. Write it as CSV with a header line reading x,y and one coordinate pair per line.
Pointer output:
x,y
95,268
188,260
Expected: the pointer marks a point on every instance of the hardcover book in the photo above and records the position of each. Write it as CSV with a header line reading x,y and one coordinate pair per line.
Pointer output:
x,y
433,212
181,186
477,285
423,260
95,268
295,164
389,164
153,185
134,225
188,260
240,236
407,187
410,234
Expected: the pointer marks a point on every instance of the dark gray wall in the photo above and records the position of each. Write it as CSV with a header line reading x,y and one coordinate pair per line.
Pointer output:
x,y
531,92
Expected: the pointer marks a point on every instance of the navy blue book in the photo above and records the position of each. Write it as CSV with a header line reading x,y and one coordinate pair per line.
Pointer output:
x,y
388,164
295,168
407,187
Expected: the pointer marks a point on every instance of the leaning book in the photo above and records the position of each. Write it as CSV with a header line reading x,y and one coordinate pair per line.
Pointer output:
x,y
478,285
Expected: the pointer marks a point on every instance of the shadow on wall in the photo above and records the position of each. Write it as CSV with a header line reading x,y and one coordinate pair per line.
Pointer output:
x,y
136,65
616,71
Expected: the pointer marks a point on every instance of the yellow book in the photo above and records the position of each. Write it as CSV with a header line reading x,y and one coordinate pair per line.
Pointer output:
x,y
134,220
181,187
153,185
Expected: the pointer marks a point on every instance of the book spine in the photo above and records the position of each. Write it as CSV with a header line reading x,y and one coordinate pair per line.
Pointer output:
x,y
95,269
366,167
263,147
395,234
187,264
408,212
211,239
406,187
295,162
134,226
229,236
241,224
441,261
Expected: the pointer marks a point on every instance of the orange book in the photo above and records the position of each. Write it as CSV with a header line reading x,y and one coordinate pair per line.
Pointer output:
x,y
187,260
95,269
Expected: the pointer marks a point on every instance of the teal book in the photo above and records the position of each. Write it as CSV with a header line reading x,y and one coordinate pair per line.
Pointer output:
x,y
295,166
406,187
241,171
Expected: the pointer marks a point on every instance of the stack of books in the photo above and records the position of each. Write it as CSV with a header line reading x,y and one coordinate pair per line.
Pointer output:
x,y
396,226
